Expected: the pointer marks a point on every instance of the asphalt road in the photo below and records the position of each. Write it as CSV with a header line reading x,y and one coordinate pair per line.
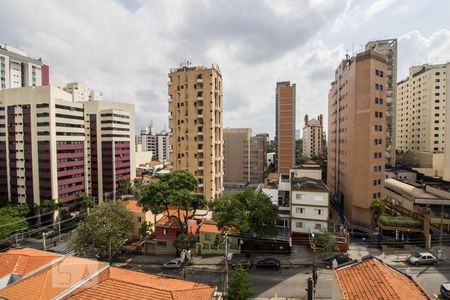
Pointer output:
x,y
265,283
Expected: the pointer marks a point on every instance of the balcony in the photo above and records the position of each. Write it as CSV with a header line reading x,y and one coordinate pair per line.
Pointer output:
x,y
199,80
170,100
169,83
200,185
200,116
220,142
200,168
170,117
200,133
199,98
199,150
219,109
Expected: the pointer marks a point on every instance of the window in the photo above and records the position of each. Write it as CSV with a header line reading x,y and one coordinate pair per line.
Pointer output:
x,y
319,212
138,219
207,237
318,226
299,196
318,197
299,210
164,231
298,224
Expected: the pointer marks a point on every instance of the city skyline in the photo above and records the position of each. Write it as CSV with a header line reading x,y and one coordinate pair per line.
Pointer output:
x,y
256,45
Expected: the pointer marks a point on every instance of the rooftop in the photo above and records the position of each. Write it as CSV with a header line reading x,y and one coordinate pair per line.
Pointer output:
x,y
23,261
308,184
132,205
408,190
371,279
210,228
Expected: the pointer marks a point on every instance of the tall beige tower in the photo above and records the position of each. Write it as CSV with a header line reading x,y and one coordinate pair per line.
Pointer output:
x,y
357,135
195,121
313,137
388,48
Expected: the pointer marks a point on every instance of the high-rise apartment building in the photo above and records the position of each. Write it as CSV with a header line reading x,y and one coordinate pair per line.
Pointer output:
x,y
356,134
157,142
54,148
421,109
110,128
285,126
81,92
388,48
313,137
18,70
195,121
244,154
42,145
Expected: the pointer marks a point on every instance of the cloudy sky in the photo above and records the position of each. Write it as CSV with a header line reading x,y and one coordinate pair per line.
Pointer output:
x,y
126,47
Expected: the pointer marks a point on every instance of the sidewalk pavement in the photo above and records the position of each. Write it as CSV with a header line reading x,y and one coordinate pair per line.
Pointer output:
x,y
357,251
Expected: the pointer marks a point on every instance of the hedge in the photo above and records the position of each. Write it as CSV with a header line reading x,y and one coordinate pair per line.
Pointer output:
x,y
400,222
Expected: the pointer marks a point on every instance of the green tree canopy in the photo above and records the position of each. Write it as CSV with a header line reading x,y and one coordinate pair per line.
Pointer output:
x,y
239,287
109,222
176,190
246,212
13,219
325,241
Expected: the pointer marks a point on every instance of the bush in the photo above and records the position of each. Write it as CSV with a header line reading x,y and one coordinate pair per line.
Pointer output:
x,y
400,222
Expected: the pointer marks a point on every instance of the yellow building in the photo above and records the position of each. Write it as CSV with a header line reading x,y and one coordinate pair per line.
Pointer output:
x,y
139,217
195,121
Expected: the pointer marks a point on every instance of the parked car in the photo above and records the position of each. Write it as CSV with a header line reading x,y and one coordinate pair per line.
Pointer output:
x,y
423,258
340,259
245,263
172,264
445,290
269,263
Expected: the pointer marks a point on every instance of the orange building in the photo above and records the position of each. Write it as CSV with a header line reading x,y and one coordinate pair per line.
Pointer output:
x,y
357,136
285,126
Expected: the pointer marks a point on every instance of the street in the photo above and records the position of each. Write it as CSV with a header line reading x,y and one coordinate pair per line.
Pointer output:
x,y
265,283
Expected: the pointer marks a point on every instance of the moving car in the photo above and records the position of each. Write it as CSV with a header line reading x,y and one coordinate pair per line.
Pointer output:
x,y
245,263
422,258
269,263
340,259
445,290
172,264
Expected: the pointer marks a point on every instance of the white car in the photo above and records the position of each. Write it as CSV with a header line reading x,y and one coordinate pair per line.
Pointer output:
x,y
172,264
423,258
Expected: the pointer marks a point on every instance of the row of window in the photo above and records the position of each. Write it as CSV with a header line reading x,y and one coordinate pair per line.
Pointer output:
x,y
317,226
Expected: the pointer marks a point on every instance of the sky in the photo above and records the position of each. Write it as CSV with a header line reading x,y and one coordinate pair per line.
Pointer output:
x,y
125,48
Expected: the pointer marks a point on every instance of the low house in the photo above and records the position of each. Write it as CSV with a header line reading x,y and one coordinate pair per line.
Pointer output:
x,y
372,279
70,277
139,217
211,240
168,228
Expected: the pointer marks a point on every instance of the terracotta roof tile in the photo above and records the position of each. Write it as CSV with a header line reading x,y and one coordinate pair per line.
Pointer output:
x,y
211,228
50,282
127,284
372,280
132,205
23,261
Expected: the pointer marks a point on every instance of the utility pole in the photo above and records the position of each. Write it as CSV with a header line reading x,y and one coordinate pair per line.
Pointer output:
x,y
43,238
226,263
59,224
440,234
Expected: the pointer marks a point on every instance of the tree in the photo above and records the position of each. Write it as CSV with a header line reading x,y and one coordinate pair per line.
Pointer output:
x,y
145,229
378,208
322,161
137,187
325,241
177,190
105,229
88,202
239,287
125,187
13,219
247,212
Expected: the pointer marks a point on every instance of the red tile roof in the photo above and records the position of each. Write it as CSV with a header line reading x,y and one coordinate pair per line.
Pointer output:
x,y
23,261
132,205
52,281
372,280
210,228
126,284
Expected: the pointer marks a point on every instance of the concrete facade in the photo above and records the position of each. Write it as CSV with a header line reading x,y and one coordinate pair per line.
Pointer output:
x,y
195,121
421,109
156,142
356,131
18,70
388,48
244,154
313,137
285,110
